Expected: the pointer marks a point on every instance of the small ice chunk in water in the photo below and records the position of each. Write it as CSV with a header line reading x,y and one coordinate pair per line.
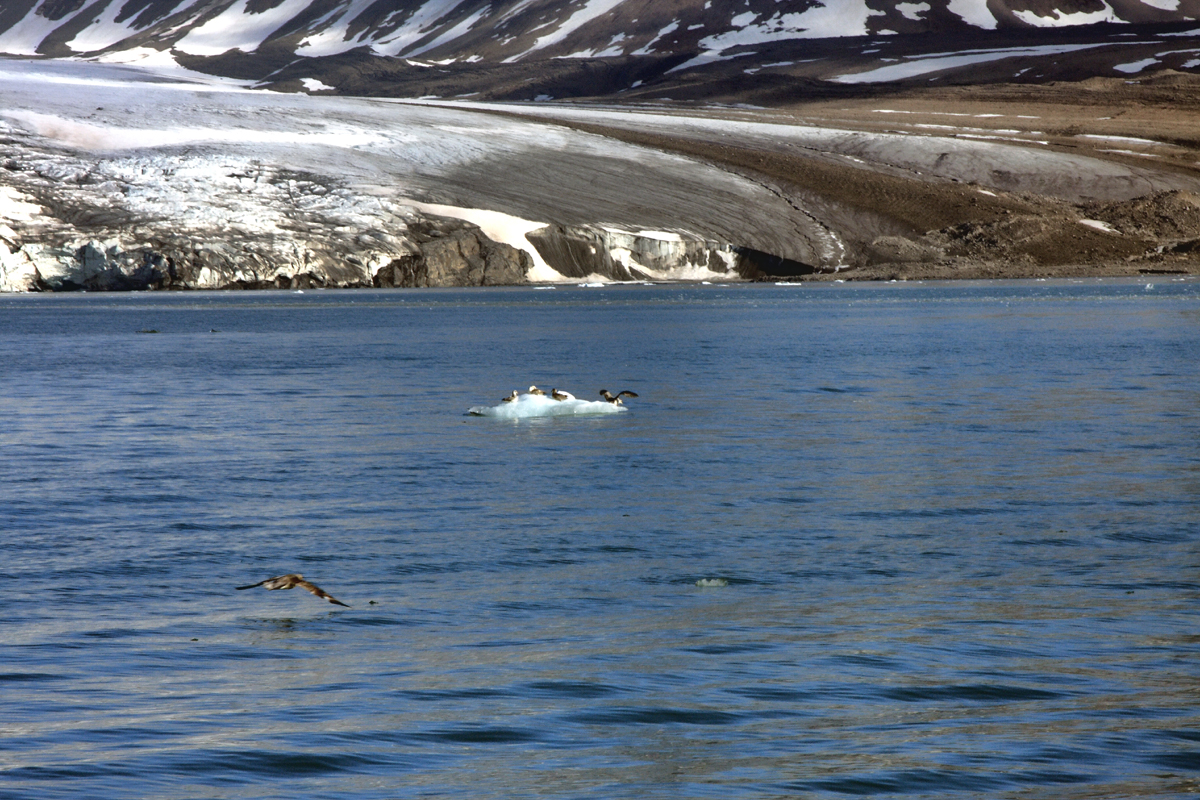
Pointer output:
x,y
711,583
532,405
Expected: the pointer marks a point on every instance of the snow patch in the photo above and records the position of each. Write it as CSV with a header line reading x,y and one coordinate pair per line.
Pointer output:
x,y
973,12
936,63
24,38
1128,139
237,29
647,49
314,85
835,18
104,31
912,11
705,58
590,11
1135,66
332,40
1060,19
1099,225
454,32
499,227
143,57
415,27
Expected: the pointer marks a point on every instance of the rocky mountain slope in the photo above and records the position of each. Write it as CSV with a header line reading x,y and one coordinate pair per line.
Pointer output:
x,y
529,49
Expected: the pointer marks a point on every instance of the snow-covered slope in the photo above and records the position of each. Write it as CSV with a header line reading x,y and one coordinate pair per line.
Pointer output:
x,y
132,179
508,31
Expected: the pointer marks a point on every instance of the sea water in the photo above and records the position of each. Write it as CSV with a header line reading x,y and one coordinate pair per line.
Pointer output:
x,y
916,539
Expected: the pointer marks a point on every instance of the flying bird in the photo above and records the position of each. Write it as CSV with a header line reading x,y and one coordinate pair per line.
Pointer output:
x,y
292,581
615,399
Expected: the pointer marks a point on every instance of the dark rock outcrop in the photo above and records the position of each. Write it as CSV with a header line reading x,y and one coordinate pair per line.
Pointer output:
x,y
453,253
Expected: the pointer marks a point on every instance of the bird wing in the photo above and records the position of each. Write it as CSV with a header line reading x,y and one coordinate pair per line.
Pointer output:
x,y
278,582
251,586
627,393
319,592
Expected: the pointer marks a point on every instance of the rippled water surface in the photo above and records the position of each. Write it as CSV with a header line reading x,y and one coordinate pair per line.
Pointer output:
x,y
947,539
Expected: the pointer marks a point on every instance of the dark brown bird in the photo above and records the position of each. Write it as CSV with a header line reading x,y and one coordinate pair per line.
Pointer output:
x,y
615,399
292,581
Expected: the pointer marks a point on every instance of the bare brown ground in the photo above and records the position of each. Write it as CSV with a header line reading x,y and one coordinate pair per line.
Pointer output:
x,y
952,230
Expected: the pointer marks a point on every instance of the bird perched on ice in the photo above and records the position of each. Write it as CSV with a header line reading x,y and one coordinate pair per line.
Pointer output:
x,y
535,390
292,581
615,399
511,397
560,396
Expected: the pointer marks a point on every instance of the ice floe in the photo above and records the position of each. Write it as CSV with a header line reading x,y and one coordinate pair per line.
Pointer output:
x,y
526,406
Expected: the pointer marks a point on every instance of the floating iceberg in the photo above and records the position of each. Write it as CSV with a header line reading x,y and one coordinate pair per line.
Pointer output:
x,y
532,405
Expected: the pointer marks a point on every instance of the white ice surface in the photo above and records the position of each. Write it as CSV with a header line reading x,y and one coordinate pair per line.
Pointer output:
x,y
532,405
88,136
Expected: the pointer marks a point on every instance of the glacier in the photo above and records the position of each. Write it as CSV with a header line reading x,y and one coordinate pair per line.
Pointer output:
x,y
145,178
